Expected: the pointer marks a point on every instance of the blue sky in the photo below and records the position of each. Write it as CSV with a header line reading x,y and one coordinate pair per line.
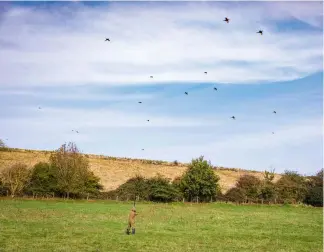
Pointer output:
x,y
53,56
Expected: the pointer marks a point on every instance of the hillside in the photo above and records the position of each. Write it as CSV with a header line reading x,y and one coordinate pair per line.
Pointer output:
x,y
115,171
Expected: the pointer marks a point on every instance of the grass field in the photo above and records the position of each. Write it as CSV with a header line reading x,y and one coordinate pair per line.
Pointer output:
x,y
54,225
115,171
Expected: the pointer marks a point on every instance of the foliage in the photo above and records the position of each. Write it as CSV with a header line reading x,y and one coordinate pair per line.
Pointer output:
x,y
250,186
235,195
2,144
71,169
92,184
15,178
42,181
161,190
291,187
268,189
314,195
199,181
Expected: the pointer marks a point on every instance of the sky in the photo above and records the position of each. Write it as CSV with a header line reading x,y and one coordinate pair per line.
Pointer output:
x,y
53,55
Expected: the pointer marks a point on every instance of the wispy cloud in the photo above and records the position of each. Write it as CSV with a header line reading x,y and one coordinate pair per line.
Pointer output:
x,y
64,45
54,56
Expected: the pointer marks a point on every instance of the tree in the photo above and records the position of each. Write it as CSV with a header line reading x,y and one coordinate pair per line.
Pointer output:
x,y
268,189
42,180
251,187
15,178
199,181
314,195
71,169
291,187
161,190
2,144
92,185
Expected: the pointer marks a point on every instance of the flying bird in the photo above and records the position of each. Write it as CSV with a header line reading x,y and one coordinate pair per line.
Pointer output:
x,y
186,93
151,77
148,120
260,31
215,88
205,72
272,133
107,39
233,117
226,20
142,149
274,112
39,108
77,131
139,102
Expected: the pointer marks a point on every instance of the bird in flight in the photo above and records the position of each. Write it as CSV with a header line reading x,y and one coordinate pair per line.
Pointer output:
x,y
272,133
226,20
205,72
186,93
148,120
142,149
215,88
39,108
139,102
77,131
274,112
151,77
233,117
107,39
260,31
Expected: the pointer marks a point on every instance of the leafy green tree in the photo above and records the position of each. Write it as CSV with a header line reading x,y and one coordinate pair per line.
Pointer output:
x,y
291,187
199,181
92,184
42,181
161,190
15,178
71,169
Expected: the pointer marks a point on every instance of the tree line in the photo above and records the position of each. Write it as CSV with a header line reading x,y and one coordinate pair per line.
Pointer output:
x,y
67,174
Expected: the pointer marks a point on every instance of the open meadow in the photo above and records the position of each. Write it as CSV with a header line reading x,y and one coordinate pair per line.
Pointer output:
x,y
58,225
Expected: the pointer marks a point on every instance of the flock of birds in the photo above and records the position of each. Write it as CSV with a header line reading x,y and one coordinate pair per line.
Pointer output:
x,y
186,93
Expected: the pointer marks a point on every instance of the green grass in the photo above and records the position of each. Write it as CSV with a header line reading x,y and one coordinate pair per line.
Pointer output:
x,y
35,225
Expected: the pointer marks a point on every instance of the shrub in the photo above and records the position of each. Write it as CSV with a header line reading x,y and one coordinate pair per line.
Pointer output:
x,y
42,181
15,178
314,195
199,181
161,190
291,187
235,195
250,186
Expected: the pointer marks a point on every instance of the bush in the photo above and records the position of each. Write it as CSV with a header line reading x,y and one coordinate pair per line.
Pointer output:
x,y
161,190
15,178
314,195
291,188
250,186
199,181
42,181
235,195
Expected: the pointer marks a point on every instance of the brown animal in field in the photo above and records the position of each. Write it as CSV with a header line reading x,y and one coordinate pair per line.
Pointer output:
x,y
131,221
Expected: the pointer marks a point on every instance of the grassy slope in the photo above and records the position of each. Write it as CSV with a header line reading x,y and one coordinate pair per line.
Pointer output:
x,y
28,225
113,172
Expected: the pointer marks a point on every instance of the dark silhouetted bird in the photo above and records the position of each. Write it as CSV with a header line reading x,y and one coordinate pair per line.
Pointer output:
x,y
260,31
77,131
142,149
72,130
233,117
186,93
274,112
39,108
205,72
139,102
272,132
215,88
151,77
107,39
148,120
226,20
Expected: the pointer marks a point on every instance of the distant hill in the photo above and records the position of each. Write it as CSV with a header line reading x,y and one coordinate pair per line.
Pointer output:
x,y
115,171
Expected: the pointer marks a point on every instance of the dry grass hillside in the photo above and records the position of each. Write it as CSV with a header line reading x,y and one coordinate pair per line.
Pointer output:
x,y
115,171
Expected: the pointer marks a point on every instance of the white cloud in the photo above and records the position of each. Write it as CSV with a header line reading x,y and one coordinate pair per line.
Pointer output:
x,y
65,46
